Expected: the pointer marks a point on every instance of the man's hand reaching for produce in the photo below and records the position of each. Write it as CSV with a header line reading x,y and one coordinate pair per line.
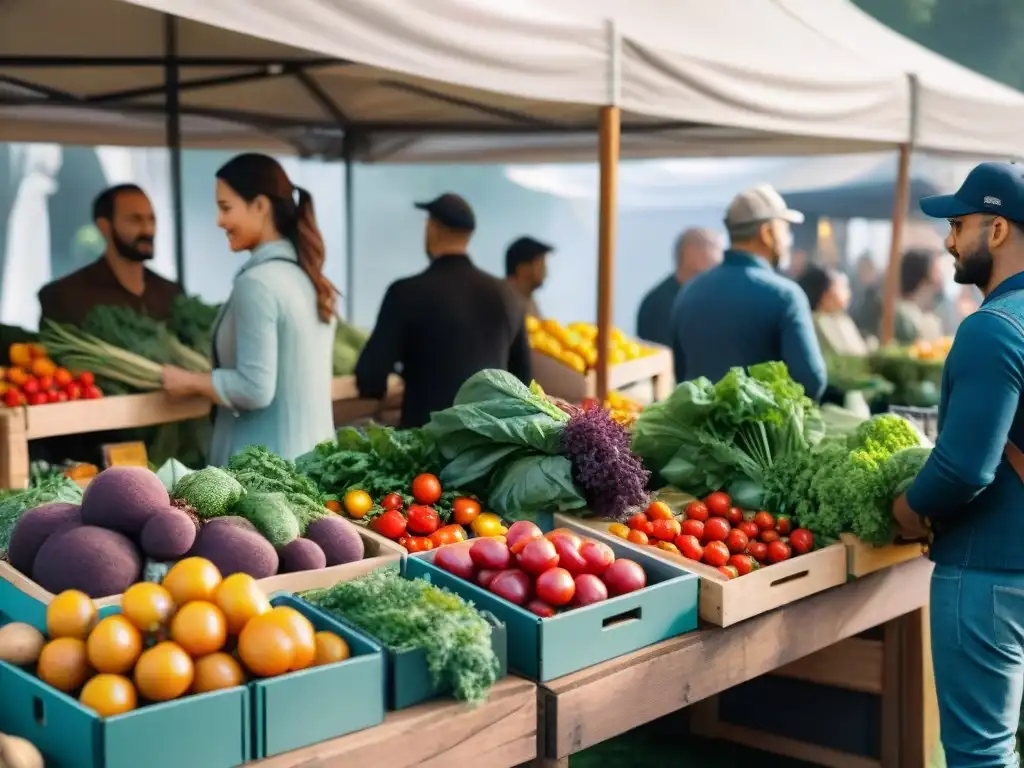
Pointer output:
x,y
911,525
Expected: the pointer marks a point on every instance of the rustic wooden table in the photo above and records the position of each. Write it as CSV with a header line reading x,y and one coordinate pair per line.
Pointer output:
x,y
606,700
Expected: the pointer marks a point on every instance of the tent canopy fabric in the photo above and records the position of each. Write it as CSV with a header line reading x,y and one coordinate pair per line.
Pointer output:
x,y
482,80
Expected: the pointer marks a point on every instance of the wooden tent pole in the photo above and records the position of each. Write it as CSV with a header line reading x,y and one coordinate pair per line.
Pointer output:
x,y
891,288
608,158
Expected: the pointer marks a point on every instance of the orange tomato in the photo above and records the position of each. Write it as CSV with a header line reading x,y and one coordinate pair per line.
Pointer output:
x,y
43,367
666,530
265,647
240,598
193,578
638,537
465,510
668,546
216,672
114,645
17,375
330,649
148,606
449,534
659,510
333,505
164,672
38,351
200,628
64,664
62,377
302,634
20,355
618,529
70,614
109,695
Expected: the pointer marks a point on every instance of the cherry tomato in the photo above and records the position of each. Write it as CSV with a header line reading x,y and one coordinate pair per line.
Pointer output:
x,y
749,528
333,505
390,525
802,541
777,552
718,504
618,529
769,536
86,379
716,553
638,537
38,398
729,571
758,550
56,397
12,398
784,525
696,510
30,387
423,520
744,564
693,528
91,392
555,586
449,534
716,529
638,522
416,543
465,510
764,521
666,530
659,510
392,501
74,391
689,546
45,383
737,541
667,546
734,515
426,488
357,503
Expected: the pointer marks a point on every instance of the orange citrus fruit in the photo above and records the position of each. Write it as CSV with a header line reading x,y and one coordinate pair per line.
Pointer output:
x,y
70,614
64,664
194,578
163,672
330,649
266,647
217,671
109,695
148,606
302,633
199,627
114,645
240,598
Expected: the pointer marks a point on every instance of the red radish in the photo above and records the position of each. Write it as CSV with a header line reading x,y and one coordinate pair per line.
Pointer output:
x,y
537,555
455,560
540,608
489,553
568,548
589,589
514,586
555,586
520,533
598,556
624,576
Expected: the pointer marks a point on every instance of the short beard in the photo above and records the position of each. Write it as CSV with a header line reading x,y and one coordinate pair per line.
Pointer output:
x,y
131,251
974,268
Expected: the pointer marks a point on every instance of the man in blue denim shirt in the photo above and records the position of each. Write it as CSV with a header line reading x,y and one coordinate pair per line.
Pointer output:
x,y
971,490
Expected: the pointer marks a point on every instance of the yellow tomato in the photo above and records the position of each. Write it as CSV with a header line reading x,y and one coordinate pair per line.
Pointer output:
x,y
616,356
487,524
618,529
20,355
358,503
532,324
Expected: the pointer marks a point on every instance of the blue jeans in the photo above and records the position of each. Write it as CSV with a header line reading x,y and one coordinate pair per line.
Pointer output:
x,y
977,622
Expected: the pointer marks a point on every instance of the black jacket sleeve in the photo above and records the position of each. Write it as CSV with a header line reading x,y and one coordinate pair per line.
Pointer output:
x,y
519,356
383,349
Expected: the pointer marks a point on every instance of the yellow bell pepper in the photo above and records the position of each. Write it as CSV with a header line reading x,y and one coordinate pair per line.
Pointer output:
x,y
488,524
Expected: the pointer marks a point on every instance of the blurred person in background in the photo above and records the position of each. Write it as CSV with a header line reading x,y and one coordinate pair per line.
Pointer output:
x,y
798,262
920,291
697,250
743,311
124,216
445,324
526,269
866,302
828,292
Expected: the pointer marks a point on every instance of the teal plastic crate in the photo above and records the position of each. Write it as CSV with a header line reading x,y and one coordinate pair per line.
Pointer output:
x,y
544,649
320,703
206,731
15,605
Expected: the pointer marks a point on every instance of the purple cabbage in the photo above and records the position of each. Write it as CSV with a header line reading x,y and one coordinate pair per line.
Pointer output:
x,y
603,465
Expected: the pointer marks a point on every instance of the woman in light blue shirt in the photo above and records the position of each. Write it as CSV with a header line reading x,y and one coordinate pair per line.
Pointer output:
x,y
271,383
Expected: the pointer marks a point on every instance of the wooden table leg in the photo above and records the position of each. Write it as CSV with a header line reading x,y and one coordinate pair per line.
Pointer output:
x,y
909,705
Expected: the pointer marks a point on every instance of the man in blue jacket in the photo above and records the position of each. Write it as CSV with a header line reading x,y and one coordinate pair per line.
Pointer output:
x,y
743,311
971,490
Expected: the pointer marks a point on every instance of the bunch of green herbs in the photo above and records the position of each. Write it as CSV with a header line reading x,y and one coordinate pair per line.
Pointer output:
x,y
192,321
141,334
260,471
404,614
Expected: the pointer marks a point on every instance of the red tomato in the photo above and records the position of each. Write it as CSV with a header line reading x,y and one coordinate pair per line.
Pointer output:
x,y
744,564
538,556
55,397
422,520
426,488
729,571
716,553
62,377
45,383
749,528
598,556
784,525
555,586
696,510
689,546
589,589
38,398
91,392
30,387
12,398
449,534
769,536
86,379
624,576
540,608
567,545
666,530
716,529
638,521
490,554
74,391
693,528
391,524
778,551
514,586
465,510
737,541
456,561
764,521
392,501
520,533
758,550
734,515
638,537
659,510
802,541
718,504
416,543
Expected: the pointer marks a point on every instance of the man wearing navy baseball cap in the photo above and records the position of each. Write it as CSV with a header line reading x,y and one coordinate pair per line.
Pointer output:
x,y
971,489
445,324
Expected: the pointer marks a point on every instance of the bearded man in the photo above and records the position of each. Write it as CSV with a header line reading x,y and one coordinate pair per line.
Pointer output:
x,y
124,215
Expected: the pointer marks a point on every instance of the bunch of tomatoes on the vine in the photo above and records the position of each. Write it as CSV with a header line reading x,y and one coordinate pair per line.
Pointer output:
x,y
417,525
716,533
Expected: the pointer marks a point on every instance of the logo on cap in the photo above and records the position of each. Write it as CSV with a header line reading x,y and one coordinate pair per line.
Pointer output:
x,y
989,200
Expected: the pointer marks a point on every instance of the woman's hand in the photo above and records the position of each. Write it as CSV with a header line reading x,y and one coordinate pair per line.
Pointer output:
x,y
911,525
178,382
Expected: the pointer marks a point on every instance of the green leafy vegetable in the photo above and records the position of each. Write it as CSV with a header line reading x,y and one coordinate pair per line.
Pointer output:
x,y
259,470
412,613
271,514
211,491
192,322
127,329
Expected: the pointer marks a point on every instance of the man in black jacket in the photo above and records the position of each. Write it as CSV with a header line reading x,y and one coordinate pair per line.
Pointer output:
x,y
443,325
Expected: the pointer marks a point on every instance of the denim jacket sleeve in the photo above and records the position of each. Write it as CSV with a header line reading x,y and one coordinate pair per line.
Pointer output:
x,y
252,383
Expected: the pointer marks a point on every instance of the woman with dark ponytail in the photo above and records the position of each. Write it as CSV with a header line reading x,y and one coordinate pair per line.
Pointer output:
x,y
271,383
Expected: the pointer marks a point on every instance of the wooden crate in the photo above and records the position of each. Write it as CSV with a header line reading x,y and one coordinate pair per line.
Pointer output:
x,y
559,380
862,559
725,601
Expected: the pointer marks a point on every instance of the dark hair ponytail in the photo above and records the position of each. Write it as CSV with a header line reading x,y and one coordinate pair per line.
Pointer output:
x,y
251,175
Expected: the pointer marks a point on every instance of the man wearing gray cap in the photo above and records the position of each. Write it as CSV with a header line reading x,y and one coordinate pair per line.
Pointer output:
x,y
744,312
444,324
